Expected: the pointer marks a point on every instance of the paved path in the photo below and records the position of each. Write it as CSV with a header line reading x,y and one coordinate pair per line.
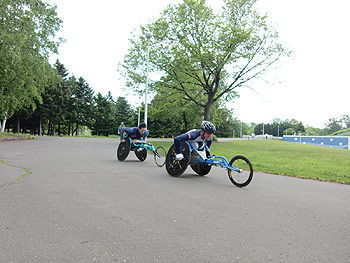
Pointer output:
x,y
79,204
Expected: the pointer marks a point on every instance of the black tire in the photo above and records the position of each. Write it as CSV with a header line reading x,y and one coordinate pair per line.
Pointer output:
x,y
141,155
244,177
201,168
123,150
174,167
160,156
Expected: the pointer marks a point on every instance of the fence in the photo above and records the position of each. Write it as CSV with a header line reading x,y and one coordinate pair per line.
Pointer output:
x,y
329,141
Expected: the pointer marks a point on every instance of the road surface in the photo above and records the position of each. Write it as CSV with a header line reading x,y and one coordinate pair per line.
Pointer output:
x,y
69,200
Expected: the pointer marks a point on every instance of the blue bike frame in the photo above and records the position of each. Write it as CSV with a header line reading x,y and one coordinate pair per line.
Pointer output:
x,y
211,159
141,144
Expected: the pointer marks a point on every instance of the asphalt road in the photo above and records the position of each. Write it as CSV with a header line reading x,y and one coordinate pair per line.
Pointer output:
x,y
76,203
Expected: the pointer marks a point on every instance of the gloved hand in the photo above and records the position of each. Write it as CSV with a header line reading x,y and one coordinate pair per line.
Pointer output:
x,y
179,156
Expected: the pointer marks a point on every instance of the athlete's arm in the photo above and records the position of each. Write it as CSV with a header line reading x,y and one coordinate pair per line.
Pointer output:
x,y
124,131
177,141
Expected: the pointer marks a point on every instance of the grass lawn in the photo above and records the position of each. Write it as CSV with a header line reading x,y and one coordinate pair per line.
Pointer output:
x,y
287,158
14,135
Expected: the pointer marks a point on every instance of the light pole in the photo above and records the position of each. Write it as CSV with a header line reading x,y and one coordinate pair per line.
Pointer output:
x,y
148,36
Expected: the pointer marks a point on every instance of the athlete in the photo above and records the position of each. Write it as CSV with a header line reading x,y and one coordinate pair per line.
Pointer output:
x,y
196,138
139,132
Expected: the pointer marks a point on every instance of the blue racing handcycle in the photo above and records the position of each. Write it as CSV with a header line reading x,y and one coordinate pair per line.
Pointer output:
x,y
239,169
140,148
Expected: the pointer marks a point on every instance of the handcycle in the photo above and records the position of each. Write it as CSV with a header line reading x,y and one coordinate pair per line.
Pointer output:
x,y
140,148
239,169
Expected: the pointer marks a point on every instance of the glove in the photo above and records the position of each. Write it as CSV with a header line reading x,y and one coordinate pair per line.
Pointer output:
x,y
179,156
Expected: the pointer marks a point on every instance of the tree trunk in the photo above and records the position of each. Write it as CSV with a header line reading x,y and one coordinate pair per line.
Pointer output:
x,y
207,108
70,126
40,132
59,128
3,125
18,125
185,120
77,132
53,128
49,128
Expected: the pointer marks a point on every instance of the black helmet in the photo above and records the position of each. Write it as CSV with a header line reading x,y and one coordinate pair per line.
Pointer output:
x,y
208,127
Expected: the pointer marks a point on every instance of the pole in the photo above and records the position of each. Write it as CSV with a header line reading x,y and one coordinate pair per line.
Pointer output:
x,y
263,129
138,118
148,36
241,129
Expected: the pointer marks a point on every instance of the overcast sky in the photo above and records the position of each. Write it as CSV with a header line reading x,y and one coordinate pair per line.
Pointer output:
x,y
311,87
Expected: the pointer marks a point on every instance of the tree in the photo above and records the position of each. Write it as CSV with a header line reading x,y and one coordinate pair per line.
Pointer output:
x,y
170,115
123,113
82,103
205,56
334,125
28,28
103,115
345,119
278,127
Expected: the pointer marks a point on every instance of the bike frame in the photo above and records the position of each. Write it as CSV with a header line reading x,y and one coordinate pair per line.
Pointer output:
x,y
211,160
141,144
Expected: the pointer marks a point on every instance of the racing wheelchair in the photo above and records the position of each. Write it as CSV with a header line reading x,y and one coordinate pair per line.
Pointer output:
x,y
140,148
239,169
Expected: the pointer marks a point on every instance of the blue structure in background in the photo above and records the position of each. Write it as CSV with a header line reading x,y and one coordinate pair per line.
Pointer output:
x,y
330,141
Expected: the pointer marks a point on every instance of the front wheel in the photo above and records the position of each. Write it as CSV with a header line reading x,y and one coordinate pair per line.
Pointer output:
x,y
160,156
245,175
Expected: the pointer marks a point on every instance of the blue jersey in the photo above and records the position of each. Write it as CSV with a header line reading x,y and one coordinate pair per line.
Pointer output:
x,y
192,136
133,133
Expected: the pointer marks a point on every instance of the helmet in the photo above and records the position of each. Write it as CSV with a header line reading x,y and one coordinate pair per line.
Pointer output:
x,y
208,127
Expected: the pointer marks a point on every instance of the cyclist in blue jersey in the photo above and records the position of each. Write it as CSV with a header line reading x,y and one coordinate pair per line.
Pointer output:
x,y
196,138
139,132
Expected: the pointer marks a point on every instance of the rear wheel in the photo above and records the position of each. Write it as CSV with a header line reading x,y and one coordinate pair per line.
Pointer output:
x,y
160,156
201,168
175,167
141,154
245,175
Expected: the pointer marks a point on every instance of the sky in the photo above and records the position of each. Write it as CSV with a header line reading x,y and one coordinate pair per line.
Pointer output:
x,y
312,86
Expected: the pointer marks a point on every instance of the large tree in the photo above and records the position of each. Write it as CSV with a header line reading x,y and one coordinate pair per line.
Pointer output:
x,y
202,55
27,31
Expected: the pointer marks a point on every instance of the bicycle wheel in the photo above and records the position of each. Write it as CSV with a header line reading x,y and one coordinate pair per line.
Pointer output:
x,y
123,150
160,156
244,177
201,168
174,167
141,154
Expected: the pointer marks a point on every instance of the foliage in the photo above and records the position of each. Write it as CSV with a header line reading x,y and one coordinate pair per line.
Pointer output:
x,y
204,56
170,115
335,124
278,127
123,113
28,28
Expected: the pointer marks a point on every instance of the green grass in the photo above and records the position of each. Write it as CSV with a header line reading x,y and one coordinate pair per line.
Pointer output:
x,y
286,158
15,135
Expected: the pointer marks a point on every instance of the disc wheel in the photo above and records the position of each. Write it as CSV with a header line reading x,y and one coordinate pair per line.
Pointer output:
x,y
123,150
141,154
175,167
201,168
160,156
244,177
